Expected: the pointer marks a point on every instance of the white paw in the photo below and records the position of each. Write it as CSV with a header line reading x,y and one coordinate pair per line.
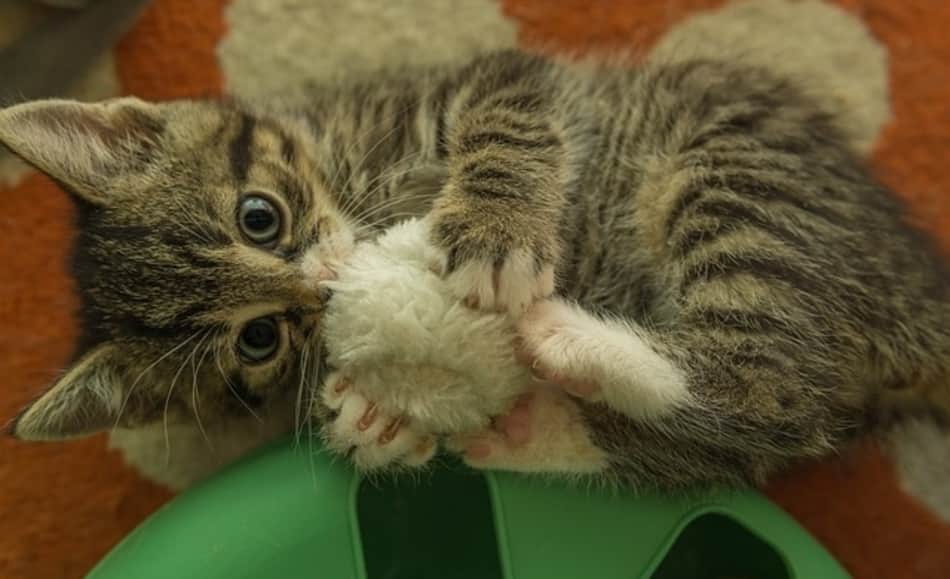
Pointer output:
x,y
554,338
600,360
511,286
371,437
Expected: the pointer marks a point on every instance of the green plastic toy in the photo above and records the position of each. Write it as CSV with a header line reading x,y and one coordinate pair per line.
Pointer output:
x,y
291,511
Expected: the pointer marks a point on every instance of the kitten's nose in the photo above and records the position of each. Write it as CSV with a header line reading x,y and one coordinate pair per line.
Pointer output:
x,y
311,296
318,266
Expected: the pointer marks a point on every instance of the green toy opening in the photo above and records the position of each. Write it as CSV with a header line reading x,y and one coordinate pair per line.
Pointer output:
x,y
441,526
714,546
435,528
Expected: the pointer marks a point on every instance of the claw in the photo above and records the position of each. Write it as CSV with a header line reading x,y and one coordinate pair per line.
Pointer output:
x,y
424,447
390,432
437,269
580,389
522,354
342,385
365,433
369,416
538,374
424,450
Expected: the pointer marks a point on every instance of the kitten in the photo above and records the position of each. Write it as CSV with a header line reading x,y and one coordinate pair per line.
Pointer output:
x,y
746,294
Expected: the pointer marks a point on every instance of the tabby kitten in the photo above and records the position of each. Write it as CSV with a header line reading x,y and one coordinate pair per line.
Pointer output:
x,y
746,294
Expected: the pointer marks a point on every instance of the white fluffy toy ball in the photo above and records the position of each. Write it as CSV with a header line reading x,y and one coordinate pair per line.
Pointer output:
x,y
412,347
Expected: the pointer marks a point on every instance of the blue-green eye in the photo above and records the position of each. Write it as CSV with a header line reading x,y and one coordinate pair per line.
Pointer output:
x,y
259,220
259,340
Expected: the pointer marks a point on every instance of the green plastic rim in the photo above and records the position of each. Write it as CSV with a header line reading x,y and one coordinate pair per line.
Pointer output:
x,y
292,511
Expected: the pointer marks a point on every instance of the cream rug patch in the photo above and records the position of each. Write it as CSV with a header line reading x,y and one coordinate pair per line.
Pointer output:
x,y
279,47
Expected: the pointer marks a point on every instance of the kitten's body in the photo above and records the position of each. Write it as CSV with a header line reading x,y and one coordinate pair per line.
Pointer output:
x,y
763,298
740,235
727,224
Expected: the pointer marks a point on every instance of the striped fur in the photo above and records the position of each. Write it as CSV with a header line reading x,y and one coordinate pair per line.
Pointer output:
x,y
710,212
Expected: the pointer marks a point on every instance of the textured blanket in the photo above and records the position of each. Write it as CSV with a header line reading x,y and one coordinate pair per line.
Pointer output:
x,y
882,510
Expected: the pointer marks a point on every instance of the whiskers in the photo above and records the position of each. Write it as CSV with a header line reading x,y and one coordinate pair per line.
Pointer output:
x,y
377,209
190,224
400,169
230,385
157,361
402,164
204,334
308,387
372,217
195,398
304,384
361,162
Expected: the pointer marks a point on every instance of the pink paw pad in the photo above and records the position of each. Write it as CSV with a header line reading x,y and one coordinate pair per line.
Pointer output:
x,y
511,430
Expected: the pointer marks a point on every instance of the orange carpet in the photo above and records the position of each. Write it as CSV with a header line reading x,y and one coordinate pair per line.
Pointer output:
x,y
62,506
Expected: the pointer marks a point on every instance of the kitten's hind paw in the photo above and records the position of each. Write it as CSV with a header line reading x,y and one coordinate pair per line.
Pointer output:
x,y
543,432
550,335
600,360
372,438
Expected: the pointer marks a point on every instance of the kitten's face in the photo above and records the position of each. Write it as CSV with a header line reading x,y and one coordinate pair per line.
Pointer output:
x,y
204,232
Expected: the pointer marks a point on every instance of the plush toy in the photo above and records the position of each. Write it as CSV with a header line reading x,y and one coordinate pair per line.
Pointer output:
x,y
394,326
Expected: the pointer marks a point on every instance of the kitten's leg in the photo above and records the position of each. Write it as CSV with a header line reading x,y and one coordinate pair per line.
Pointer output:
x,y
708,399
601,360
496,220
543,432
594,359
373,438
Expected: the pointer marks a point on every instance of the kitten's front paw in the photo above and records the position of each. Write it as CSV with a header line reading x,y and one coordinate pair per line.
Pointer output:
x,y
371,438
492,263
511,284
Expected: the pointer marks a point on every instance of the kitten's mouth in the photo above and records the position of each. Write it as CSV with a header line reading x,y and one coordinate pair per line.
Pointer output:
x,y
324,292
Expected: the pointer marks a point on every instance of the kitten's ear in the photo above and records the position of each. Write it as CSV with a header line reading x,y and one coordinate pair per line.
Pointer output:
x,y
83,401
82,144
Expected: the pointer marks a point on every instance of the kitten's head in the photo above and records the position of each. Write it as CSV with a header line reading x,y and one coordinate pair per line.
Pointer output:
x,y
203,232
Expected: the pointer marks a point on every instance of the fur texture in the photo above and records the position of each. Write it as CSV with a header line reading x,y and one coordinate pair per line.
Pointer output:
x,y
711,221
837,61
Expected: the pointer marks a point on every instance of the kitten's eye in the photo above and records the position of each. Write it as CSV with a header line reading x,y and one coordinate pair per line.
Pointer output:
x,y
258,340
259,219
